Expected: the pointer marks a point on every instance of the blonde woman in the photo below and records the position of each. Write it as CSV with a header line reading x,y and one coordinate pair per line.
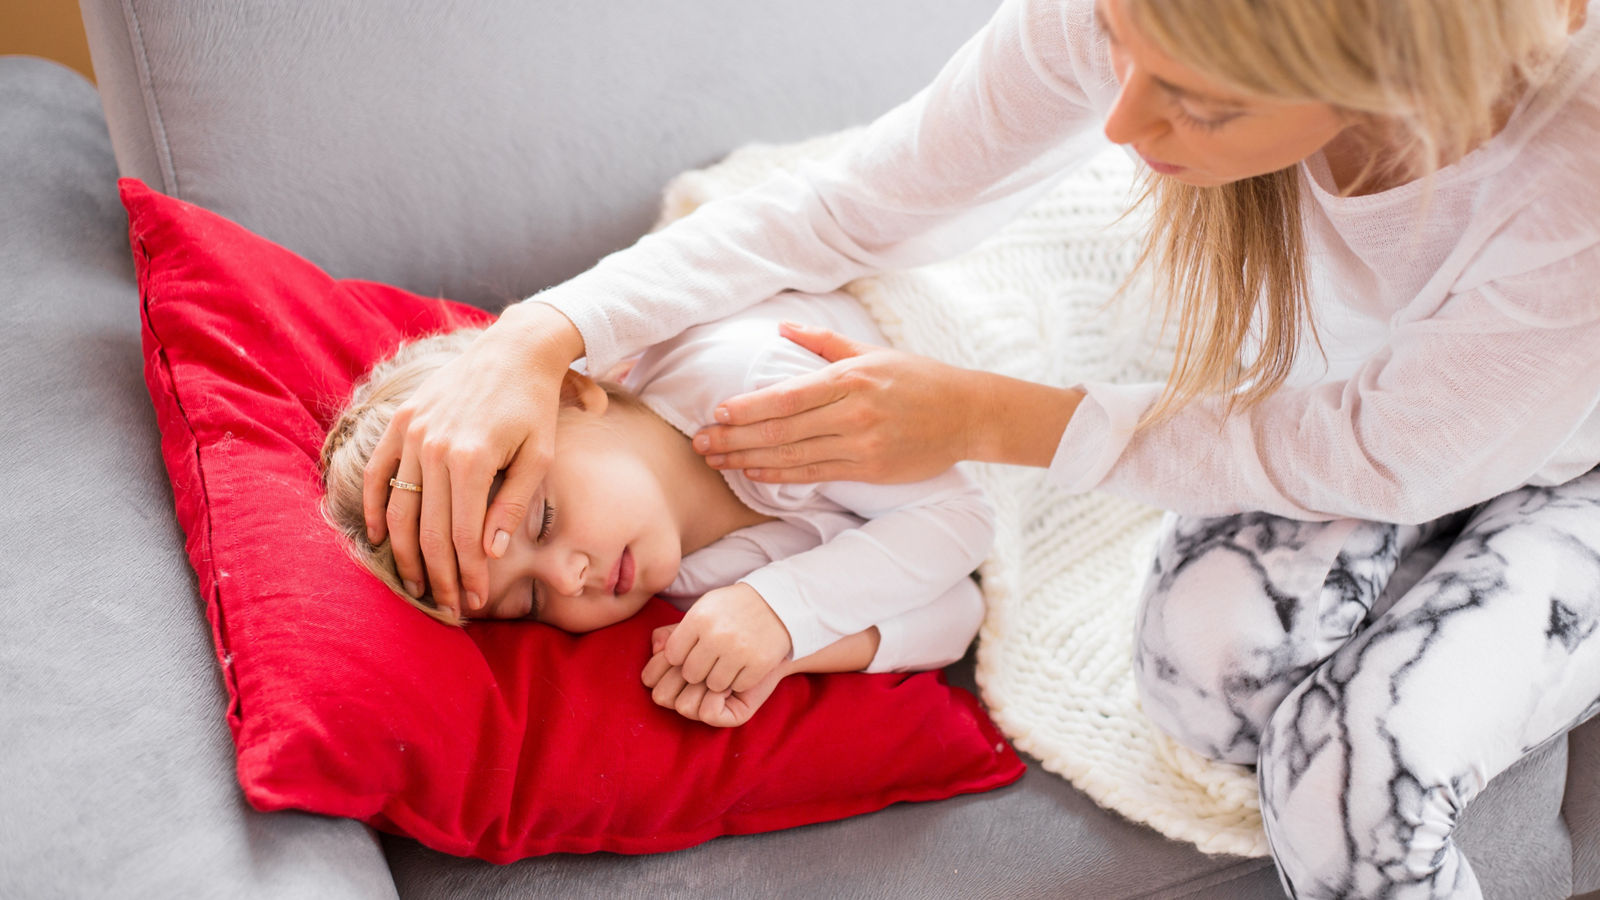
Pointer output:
x,y
1378,227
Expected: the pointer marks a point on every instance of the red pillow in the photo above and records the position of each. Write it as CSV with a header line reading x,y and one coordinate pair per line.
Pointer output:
x,y
500,741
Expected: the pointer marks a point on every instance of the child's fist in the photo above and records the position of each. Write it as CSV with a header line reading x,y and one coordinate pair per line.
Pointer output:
x,y
729,640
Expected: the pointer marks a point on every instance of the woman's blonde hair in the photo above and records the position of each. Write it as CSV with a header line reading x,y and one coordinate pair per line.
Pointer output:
x,y
1434,75
354,435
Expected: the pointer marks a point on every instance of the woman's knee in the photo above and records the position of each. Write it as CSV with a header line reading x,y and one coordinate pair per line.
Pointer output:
x,y
1351,809
1236,612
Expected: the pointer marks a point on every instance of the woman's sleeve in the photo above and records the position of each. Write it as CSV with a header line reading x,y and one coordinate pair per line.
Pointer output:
x,y
1010,111
1497,389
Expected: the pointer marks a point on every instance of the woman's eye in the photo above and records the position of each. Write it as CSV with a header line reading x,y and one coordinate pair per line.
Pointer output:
x,y
1204,122
548,519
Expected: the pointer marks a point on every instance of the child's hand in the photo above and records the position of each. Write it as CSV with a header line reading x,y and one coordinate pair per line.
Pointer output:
x,y
729,640
720,709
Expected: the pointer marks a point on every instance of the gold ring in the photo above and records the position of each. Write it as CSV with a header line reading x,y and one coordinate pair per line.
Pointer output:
x,y
405,485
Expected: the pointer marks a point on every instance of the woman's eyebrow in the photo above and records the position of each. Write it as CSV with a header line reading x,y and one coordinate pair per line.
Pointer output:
x,y
1196,96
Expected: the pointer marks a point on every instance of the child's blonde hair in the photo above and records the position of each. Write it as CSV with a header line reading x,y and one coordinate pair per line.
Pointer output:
x,y
1437,74
354,435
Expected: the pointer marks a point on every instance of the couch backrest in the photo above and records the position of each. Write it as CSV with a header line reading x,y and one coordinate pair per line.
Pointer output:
x,y
483,150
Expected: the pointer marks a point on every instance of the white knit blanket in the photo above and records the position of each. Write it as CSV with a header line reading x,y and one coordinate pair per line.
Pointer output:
x,y
1055,651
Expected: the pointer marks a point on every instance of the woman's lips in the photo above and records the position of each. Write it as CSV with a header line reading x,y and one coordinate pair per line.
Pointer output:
x,y
1161,167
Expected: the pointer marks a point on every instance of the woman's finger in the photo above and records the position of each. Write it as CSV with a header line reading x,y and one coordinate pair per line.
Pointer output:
x,y
511,505
433,534
824,421
381,466
789,397
830,345
402,507
470,480
804,452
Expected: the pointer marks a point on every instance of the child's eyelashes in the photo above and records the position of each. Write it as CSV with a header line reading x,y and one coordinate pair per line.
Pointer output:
x,y
547,519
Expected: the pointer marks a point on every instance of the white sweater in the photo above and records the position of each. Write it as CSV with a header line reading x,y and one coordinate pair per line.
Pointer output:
x,y
840,556
1461,319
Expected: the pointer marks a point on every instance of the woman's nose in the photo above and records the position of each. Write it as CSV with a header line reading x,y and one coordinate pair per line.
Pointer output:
x,y
1135,113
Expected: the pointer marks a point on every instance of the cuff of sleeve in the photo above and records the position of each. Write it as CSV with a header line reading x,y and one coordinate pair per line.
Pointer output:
x,y
600,350
1099,431
807,634
892,640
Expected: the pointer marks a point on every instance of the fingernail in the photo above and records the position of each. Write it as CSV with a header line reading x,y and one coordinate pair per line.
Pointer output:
x,y
473,602
716,460
412,588
702,443
791,325
755,474
722,414
502,540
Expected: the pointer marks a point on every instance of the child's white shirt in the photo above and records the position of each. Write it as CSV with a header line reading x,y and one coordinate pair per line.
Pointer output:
x,y
1460,317
839,557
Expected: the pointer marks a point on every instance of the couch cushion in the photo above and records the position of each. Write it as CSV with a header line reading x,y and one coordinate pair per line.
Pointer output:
x,y
119,769
1039,837
483,151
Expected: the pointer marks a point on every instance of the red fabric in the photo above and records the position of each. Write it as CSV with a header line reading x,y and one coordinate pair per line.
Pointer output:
x,y
501,741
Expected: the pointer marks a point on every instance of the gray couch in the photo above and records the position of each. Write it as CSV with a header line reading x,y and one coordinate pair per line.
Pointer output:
x,y
480,151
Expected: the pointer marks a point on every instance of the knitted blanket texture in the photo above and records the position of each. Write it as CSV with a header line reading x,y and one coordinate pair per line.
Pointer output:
x,y
1063,580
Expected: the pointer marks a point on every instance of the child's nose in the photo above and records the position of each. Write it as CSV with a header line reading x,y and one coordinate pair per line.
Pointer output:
x,y
567,576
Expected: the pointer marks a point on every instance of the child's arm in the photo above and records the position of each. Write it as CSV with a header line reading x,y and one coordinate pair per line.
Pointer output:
x,y
919,540
924,638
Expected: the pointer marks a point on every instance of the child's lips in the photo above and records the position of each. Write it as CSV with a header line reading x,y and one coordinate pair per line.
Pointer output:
x,y
620,581
624,575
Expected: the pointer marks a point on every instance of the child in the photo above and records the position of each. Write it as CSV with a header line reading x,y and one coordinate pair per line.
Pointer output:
x,y
775,579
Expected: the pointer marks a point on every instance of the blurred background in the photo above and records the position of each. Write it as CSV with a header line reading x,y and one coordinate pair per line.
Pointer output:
x,y
52,29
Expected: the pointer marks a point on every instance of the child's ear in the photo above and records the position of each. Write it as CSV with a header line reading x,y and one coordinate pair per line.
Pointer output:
x,y
582,393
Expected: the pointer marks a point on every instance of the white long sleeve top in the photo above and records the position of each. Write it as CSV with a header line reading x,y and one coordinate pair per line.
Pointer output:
x,y
842,556
1460,318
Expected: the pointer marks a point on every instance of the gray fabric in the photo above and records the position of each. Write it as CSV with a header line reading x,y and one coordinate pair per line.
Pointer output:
x,y
1037,838
1582,805
483,150
119,768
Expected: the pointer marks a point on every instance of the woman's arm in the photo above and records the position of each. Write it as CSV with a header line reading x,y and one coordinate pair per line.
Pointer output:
x,y
1009,112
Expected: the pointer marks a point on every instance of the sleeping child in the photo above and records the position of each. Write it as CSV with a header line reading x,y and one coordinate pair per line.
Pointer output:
x,y
774,579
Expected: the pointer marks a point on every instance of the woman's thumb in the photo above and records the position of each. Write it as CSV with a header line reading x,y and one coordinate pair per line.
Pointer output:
x,y
830,345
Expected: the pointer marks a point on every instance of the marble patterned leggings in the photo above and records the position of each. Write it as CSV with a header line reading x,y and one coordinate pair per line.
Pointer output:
x,y
1375,711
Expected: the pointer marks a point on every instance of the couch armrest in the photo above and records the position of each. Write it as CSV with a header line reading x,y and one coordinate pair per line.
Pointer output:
x,y
120,778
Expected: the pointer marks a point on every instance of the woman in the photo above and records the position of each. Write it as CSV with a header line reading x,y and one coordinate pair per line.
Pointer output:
x,y
1375,224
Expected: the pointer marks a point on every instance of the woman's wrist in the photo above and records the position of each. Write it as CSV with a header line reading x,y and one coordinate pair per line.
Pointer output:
x,y
1014,421
544,331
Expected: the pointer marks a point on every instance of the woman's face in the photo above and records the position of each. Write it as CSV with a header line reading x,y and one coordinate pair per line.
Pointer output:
x,y
1187,127
599,540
